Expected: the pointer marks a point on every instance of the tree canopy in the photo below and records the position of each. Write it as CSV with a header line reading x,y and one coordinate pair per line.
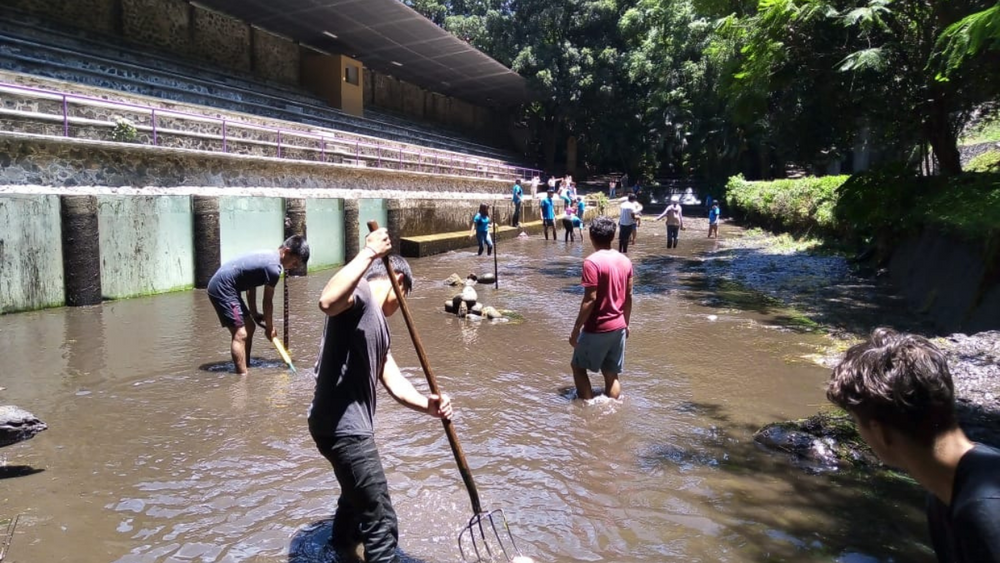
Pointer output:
x,y
715,87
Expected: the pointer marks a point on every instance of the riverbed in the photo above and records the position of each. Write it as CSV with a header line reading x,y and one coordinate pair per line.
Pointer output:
x,y
155,453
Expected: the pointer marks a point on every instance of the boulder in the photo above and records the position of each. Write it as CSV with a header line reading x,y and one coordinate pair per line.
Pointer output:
x,y
469,295
450,307
18,425
463,310
453,280
823,441
491,313
487,279
477,309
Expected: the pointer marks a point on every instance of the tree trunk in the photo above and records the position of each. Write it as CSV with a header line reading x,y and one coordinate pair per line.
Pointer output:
x,y
943,137
550,135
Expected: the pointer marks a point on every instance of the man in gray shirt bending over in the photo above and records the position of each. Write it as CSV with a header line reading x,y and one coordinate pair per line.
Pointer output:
x,y
245,274
354,356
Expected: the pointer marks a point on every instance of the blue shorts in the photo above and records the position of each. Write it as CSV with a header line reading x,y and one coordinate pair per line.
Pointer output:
x,y
600,351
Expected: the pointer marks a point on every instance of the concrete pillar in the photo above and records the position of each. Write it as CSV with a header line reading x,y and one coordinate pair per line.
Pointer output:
x,y
351,218
207,239
394,222
295,224
81,249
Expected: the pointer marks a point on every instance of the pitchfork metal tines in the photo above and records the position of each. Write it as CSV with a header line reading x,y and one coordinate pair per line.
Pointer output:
x,y
481,540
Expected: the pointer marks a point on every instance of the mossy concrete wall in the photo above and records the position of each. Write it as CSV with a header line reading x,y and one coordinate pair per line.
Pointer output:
x,y
250,224
147,245
325,232
370,210
31,271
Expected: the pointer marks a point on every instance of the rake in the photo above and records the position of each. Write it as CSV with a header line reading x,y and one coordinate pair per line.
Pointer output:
x,y
487,536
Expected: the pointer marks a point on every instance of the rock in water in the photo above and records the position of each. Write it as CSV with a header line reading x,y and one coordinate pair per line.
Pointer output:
x,y
469,295
453,280
477,309
463,310
18,425
491,313
449,306
487,279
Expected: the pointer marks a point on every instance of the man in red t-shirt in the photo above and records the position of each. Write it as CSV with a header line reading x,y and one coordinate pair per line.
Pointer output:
x,y
601,328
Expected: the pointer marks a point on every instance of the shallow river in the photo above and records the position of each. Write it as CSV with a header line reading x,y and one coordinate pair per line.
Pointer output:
x,y
153,454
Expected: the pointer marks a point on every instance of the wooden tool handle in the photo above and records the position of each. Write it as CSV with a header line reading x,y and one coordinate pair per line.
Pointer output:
x,y
449,428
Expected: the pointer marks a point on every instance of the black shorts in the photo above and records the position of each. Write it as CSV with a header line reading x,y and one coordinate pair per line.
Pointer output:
x,y
232,310
549,223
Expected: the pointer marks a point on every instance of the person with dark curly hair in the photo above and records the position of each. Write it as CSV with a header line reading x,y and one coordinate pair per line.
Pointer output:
x,y
898,389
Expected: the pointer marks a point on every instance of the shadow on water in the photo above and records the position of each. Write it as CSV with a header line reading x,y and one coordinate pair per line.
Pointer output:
x,y
11,471
864,523
311,544
227,367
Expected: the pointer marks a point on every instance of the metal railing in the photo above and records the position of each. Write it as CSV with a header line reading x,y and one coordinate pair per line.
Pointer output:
x,y
349,148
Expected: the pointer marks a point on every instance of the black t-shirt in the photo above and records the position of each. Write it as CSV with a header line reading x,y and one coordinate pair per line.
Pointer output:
x,y
353,353
968,531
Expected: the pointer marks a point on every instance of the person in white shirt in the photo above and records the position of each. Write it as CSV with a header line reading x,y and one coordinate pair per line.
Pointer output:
x,y
626,223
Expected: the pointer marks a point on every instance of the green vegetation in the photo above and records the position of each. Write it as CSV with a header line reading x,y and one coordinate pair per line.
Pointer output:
x,y
712,88
866,206
124,131
987,131
989,161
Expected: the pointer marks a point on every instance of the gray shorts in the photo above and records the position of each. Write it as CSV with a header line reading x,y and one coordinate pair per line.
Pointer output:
x,y
600,351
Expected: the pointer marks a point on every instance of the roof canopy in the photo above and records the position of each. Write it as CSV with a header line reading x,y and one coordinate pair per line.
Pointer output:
x,y
388,36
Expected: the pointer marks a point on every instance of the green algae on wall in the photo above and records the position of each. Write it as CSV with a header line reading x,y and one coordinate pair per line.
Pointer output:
x,y
325,232
31,271
250,224
370,210
147,245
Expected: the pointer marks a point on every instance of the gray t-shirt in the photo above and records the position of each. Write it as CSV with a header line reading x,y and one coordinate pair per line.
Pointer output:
x,y
353,352
246,272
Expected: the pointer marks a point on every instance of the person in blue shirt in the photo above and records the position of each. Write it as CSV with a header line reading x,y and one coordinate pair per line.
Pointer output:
x,y
481,229
515,221
580,206
548,214
713,220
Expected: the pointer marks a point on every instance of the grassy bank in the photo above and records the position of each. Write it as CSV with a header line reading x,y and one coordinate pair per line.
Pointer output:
x,y
858,208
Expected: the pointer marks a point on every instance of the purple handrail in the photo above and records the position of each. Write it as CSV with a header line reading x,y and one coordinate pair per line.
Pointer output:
x,y
463,160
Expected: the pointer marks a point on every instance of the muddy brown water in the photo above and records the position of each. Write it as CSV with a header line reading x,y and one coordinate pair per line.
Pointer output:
x,y
154,455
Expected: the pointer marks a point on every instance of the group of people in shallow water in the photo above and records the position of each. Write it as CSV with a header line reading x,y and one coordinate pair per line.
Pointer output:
x,y
896,386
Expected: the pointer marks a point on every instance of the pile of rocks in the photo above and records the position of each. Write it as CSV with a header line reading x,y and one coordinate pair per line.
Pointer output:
x,y
18,425
466,303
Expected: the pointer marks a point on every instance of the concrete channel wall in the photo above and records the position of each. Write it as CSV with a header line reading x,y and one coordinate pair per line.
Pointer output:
x,y
79,246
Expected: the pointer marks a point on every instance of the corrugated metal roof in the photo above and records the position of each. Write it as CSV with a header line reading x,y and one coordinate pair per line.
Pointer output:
x,y
388,36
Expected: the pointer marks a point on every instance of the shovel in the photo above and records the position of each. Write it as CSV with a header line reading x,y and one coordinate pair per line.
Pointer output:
x,y
280,348
487,536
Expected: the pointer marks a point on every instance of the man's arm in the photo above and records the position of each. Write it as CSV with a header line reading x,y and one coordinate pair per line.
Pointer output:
x,y
680,215
627,308
338,295
406,394
586,308
268,303
252,302
662,215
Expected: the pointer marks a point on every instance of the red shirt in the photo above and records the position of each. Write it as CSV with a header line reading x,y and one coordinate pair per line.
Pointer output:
x,y
609,271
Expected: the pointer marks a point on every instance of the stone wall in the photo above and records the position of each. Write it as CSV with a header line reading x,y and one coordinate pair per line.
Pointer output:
x,y
162,24
221,40
972,151
101,16
146,245
275,58
31,271
30,160
924,269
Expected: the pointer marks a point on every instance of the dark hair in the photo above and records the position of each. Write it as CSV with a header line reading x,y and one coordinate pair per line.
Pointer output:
x,y
631,196
298,247
484,210
602,229
399,265
899,379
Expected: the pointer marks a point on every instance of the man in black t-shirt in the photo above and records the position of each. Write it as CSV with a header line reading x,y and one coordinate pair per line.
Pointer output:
x,y
899,391
354,355
246,273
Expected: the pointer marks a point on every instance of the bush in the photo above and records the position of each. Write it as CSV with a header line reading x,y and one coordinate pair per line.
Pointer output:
x,y
989,161
795,205
124,131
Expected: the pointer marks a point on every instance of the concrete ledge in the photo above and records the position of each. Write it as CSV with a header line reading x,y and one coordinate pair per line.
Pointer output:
x,y
429,245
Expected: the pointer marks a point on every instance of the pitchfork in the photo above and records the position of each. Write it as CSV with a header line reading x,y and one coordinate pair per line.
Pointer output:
x,y
485,542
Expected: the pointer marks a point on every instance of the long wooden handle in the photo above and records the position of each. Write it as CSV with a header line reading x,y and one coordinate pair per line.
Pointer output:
x,y
284,354
449,428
